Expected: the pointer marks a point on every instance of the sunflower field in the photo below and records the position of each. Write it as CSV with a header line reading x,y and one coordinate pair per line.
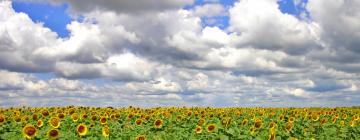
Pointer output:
x,y
172,123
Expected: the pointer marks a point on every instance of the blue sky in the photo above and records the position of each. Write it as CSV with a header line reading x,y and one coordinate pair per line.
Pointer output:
x,y
202,52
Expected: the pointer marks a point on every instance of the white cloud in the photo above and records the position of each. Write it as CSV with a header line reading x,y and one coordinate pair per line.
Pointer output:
x,y
210,10
146,56
261,24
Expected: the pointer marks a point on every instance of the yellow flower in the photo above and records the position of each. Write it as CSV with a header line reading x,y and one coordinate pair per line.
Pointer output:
x,y
323,121
40,123
252,130
288,126
291,119
272,136
54,122
342,123
201,122
211,128
53,134
29,131
198,130
2,119
105,131
81,129
352,123
158,123
75,117
244,122
258,123
103,120
138,122
141,137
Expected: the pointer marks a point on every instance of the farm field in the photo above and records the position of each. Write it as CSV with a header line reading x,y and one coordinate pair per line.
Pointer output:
x,y
179,123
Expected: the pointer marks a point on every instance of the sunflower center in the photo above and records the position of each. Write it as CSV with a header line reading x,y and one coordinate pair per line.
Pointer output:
x,y
103,120
53,133
30,131
211,127
158,122
81,129
2,119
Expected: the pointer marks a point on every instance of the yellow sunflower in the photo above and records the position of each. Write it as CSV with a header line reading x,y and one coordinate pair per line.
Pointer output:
x,y
289,126
81,129
198,130
54,122
40,123
103,120
141,137
2,119
158,123
105,131
258,123
272,136
138,121
29,131
291,119
74,117
53,134
211,128
244,122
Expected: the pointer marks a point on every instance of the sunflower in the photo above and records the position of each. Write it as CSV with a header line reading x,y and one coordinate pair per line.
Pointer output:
x,y
334,120
352,123
198,130
342,123
81,129
244,122
141,137
45,113
315,117
252,130
2,119
211,128
53,134
105,131
84,116
291,119
201,122
344,116
158,123
54,122
272,125
103,120
258,123
29,131
35,117
138,121
281,117
289,126
61,115
17,118
40,123
323,121
74,117
93,117
272,136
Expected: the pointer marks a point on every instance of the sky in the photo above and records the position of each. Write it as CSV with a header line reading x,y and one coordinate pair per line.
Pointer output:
x,y
148,53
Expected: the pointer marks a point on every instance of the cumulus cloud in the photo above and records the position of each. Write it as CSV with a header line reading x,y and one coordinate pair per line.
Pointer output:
x,y
148,53
210,10
262,25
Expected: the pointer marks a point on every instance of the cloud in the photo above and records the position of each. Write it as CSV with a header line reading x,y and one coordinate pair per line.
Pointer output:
x,y
339,30
162,54
210,10
125,6
261,24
